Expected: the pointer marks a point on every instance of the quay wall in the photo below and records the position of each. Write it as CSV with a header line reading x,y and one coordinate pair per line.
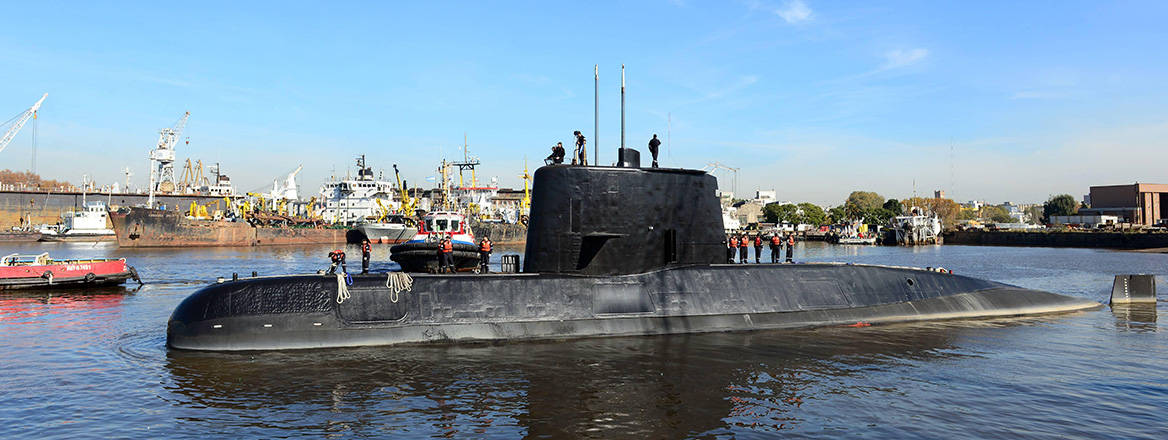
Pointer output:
x,y
1084,239
501,233
47,207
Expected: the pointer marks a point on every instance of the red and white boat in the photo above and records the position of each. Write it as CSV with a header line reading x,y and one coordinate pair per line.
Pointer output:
x,y
34,271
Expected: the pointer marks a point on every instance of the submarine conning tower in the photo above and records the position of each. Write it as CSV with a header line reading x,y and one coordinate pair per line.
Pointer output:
x,y
592,220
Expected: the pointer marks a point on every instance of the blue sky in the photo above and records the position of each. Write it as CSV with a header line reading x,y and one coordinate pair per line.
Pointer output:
x,y
986,100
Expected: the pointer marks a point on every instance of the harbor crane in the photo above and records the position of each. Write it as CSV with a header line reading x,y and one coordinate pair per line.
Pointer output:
x,y
18,122
714,166
162,159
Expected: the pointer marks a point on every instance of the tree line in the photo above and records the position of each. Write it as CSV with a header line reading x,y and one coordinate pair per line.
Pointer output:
x,y
872,208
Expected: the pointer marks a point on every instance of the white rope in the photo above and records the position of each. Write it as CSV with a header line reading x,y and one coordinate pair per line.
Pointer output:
x,y
342,288
397,282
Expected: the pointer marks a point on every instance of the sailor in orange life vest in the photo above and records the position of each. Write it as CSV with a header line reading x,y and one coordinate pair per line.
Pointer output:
x,y
338,259
484,254
365,250
731,248
776,247
446,257
758,248
790,247
743,248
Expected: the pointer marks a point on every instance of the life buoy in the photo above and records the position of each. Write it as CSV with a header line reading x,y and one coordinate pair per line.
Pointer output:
x,y
48,274
89,277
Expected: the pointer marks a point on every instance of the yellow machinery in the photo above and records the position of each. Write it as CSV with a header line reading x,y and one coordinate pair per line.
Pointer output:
x,y
407,202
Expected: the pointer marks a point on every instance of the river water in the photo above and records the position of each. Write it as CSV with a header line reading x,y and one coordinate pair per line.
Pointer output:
x,y
95,365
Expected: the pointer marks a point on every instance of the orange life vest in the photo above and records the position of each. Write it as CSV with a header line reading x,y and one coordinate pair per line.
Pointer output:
x,y
745,241
775,240
366,248
733,242
485,246
791,240
447,246
758,241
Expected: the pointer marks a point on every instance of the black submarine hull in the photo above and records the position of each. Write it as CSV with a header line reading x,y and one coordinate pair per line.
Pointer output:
x,y
302,312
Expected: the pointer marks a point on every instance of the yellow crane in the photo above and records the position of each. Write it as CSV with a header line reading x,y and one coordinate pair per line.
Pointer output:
x,y
407,201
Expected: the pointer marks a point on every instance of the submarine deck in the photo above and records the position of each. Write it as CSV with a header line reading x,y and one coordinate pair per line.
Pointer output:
x,y
293,312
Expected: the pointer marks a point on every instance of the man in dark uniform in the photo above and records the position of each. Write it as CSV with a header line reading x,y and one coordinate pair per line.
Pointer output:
x,y
365,250
484,254
776,247
791,247
581,149
758,248
338,259
743,248
557,156
447,257
731,247
653,145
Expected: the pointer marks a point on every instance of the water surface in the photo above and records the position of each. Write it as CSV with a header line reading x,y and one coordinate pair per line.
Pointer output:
x,y
95,365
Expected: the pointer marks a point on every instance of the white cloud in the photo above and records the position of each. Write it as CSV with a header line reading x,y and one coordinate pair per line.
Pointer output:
x,y
902,58
794,11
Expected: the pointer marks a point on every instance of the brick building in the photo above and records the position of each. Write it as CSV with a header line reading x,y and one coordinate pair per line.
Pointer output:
x,y
1138,203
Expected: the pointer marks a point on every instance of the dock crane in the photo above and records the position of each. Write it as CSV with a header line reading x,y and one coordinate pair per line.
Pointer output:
x,y
162,159
407,206
714,166
18,122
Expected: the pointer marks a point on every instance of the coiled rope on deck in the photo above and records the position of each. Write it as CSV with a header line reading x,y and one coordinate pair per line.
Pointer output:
x,y
397,282
343,282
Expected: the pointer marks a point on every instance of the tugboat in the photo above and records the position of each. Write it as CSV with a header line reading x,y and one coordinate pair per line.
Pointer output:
x,y
40,271
420,253
610,251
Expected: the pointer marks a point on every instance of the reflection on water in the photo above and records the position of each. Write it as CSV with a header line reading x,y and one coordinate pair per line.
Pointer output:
x,y
670,387
86,365
1135,317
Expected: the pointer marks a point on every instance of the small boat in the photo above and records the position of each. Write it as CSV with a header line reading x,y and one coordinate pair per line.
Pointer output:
x,y
858,240
37,271
390,229
86,225
420,253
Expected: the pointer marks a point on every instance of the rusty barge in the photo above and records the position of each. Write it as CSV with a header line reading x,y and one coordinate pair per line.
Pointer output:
x,y
144,227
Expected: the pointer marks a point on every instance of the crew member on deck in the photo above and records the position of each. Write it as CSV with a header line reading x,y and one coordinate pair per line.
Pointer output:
x,y
653,145
776,247
581,150
758,248
743,248
731,247
446,259
365,250
557,156
338,259
791,247
484,254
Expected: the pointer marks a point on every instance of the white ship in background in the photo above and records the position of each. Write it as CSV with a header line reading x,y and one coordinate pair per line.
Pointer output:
x,y
916,228
352,201
89,223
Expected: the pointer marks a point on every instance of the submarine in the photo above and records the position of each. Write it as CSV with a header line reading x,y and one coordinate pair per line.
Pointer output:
x,y
611,251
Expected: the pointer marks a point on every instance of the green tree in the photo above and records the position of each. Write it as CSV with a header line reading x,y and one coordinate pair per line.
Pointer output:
x,y
780,213
862,201
837,214
812,214
1062,204
878,216
996,214
1035,213
893,206
967,214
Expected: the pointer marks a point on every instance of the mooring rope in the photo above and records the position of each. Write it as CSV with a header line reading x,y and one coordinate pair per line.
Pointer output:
x,y
397,282
343,281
